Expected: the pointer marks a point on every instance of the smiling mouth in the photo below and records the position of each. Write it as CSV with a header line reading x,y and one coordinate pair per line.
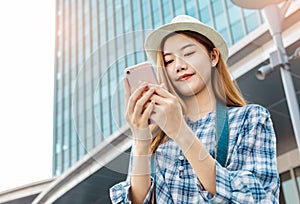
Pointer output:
x,y
184,77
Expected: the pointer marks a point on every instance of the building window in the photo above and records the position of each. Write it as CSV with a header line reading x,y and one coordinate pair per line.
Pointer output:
x,y
191,8
288,189
297,177
167,13
156,13
237,31
205,15
251,19
146,15
178,7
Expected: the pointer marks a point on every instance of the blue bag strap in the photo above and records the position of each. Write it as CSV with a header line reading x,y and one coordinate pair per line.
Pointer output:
x,y
222,133
152,165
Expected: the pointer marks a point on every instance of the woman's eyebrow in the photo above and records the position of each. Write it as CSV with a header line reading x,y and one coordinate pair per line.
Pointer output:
x,y
186,46
166,54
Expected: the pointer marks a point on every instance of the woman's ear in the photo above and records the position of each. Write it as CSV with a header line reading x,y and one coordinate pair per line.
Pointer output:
x,y
214,57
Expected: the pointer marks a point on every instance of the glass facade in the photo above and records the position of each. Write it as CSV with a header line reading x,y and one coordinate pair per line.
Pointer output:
x,y
290,185
95,41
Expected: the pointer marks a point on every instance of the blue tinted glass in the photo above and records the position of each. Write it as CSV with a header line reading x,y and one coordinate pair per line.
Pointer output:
x,y
73,154
126,17
118,17
129,60
178,8
229,3
203,3
136,16
166,5
105,132
82,149
58,163
234,14
251,20
156,14
106,118
288,188
102,22
237,31
191,8
103,85
217,7
236,26
121,66
220,21
204,15
129,49
204,12
219,15
112,79
122,103
146,16
109,22
224,33
139,57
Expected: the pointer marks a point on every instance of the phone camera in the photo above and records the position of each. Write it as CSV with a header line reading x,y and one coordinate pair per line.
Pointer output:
x,y
128,72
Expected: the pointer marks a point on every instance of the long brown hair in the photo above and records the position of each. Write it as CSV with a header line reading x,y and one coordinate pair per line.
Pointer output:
x,y
225,89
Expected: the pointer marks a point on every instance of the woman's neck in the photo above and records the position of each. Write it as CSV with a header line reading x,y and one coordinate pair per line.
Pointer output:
x,y
200,104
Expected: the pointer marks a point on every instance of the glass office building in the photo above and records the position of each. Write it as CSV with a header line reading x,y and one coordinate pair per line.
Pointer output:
x,y
95,40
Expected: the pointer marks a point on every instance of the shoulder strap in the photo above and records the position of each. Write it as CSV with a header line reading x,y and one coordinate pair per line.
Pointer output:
x,y
222,133
152,165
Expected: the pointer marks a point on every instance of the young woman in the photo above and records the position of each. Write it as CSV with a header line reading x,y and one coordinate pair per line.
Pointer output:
x,y
183,137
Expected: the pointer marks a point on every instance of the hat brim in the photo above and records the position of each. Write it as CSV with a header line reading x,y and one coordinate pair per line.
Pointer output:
x,y
154,39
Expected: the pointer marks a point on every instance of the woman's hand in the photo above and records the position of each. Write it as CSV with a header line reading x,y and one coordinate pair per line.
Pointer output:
x,y
137,113
138,110
167,112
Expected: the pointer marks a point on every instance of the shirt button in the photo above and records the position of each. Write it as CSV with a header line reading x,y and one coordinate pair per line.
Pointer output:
x,y
181,158
180,168
119,192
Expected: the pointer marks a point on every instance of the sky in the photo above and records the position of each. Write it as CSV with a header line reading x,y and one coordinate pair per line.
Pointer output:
x,y
26,88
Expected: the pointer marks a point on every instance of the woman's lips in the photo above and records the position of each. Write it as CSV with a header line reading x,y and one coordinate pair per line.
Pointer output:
x,y
184,77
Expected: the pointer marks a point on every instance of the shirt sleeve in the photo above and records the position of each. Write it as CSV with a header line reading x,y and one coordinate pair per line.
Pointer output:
x,y
251,174
119,193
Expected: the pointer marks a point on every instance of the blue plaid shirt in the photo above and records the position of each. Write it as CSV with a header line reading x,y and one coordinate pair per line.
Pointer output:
x,y
250,175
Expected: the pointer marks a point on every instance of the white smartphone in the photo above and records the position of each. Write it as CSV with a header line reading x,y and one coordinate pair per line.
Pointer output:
x,y
140,73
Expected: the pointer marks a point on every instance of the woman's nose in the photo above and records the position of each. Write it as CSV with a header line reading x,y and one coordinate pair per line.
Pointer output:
x,y
180,64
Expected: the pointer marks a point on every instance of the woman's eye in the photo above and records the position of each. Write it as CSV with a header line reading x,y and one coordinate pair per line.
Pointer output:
x,y
168,61
189,53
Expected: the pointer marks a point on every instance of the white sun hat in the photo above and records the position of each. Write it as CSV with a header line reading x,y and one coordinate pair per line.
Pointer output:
x,y
181,23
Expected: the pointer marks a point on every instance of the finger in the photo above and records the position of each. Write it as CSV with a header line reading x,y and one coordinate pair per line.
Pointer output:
x,y
140,104
146,105
147,112
158,99
161,91
137,94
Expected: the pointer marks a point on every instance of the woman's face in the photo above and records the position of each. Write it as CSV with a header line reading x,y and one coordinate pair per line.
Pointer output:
x,y
188,64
